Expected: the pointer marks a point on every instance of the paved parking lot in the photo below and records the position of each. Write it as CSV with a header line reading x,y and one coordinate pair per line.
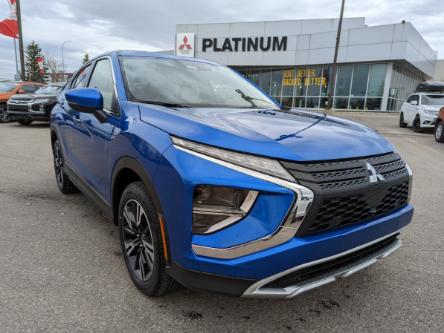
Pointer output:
x,y
61,268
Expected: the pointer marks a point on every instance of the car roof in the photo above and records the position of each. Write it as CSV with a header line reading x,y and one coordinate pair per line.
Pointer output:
x,y
428,93
132,53
30,82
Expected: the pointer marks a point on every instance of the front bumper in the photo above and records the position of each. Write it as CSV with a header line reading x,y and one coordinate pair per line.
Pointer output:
x,y
309,276
28,115
428,120
216,256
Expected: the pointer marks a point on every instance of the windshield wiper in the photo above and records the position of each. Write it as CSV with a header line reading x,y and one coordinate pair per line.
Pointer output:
x,y
166,104
250,99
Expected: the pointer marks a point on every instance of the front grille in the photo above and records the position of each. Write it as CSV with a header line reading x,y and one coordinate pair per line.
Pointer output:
x,y
323,269
17,107
344,194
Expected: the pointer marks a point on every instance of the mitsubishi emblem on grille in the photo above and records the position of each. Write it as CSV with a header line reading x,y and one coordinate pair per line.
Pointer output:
x,y
374,177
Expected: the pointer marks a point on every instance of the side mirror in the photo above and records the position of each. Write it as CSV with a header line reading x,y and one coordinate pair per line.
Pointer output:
x,y
86,100
414,102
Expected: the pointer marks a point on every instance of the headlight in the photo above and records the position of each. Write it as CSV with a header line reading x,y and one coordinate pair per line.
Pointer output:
x,y
431,112
260,164
216,207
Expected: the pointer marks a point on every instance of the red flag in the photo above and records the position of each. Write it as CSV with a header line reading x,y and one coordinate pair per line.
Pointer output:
x,y
9,26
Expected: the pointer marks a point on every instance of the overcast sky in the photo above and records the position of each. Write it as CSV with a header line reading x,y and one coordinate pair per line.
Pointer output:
x,y
95,26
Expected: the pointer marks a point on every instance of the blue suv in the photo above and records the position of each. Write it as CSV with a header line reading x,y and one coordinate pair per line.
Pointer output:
x,y
214,185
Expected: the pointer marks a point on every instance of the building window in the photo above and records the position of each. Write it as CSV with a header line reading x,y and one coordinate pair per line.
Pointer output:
x,y
276,83
312,102
341,103
357,103
343,80
376,80
288,82
358,86
360,78
373,103
299,102
265,81
326,75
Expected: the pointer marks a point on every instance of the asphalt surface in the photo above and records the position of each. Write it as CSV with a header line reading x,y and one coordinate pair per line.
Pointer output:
x,y
61,268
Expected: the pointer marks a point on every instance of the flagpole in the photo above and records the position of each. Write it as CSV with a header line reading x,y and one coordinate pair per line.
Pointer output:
x,y
17,76
21,50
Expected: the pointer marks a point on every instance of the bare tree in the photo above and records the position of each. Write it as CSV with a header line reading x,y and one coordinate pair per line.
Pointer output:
x,y
53,64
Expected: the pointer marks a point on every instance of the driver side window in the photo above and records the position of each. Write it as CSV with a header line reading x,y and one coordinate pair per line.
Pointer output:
x,y
102,79
81,78
413,98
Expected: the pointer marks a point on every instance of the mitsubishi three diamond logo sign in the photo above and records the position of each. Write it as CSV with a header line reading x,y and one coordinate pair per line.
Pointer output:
x,y
185,44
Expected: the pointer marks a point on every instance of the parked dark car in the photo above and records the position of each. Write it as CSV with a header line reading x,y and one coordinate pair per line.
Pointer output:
x,y
9,89
34,107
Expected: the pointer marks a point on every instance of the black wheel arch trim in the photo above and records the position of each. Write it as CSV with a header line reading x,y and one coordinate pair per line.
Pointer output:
x,y
135,166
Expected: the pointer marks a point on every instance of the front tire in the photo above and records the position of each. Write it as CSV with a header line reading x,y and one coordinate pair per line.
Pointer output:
x,y
24,122
402,123
4,118
141,241
417,125
63,182
439,132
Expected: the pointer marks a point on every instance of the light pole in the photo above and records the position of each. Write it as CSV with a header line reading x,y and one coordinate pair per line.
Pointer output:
x,y
63,58
335,60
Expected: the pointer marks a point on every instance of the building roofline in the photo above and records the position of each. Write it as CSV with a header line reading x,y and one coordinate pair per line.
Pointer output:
x,y
273,21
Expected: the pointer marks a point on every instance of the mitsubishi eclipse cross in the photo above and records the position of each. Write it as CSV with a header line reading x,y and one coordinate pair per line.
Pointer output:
x,y
215,186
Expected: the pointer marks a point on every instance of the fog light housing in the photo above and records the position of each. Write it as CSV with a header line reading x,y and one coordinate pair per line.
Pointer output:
x,y
217,207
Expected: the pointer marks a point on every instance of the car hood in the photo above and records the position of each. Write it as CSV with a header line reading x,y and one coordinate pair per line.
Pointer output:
x,y
4,96
434,108
290,135
28,97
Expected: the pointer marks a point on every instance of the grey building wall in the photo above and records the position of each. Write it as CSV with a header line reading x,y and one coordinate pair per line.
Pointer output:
x,y
439,71
312,42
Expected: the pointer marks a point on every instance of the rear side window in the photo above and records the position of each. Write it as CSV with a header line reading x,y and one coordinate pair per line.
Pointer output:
x,y
102,79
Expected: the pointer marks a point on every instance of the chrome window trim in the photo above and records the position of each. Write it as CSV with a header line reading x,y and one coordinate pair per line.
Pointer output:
x,y
286,231
291,291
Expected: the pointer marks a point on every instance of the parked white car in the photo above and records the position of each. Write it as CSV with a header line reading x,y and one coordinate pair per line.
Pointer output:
x,y
420,110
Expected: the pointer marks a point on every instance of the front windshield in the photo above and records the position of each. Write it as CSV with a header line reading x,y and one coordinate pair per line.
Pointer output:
x,y
437,100
190,83
49,90
7,87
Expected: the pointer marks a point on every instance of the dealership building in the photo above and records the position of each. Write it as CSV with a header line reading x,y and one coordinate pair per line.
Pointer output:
x,y
378,66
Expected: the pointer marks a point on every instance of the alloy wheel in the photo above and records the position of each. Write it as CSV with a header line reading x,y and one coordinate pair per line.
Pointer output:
x,y
138,240
3,115
417,125
58,164
438,131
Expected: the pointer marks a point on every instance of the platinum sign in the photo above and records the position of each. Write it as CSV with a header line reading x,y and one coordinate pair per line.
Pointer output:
x,y
250,44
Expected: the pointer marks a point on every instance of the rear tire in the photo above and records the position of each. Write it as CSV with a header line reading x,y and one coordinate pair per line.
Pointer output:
x,y
417,125
439,132
63,182
24,122
141,241
402,124
4,118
